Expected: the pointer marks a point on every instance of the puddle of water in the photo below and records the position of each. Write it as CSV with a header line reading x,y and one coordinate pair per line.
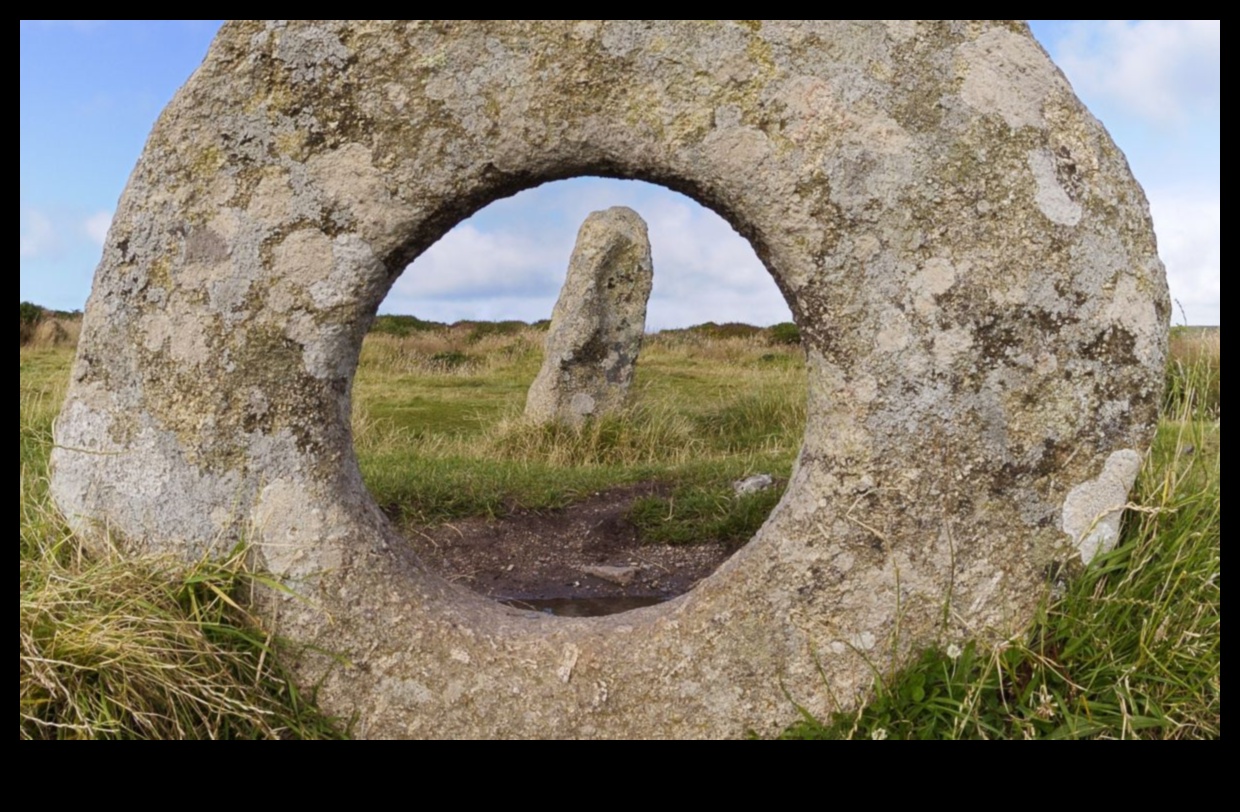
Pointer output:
x,y
584,607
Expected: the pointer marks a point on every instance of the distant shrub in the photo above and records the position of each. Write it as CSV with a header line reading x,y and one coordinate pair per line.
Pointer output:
x,y
731,329
30,316
734,329
402,326
50,333
482,329
784,333
40,327
709,331
30,312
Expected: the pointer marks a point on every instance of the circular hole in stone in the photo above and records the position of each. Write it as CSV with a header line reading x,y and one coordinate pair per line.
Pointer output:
x,y
623,509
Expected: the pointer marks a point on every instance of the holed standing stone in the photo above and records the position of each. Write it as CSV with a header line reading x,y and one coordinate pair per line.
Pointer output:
x,y
969,259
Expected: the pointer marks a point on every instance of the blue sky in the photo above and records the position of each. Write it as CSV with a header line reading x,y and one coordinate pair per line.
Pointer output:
x,y
91,89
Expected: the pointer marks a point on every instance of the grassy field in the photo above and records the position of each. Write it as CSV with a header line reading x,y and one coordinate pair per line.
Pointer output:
x,y
705,410
113,649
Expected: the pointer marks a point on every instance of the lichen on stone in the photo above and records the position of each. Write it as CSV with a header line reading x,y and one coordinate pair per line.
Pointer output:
x,y
968,258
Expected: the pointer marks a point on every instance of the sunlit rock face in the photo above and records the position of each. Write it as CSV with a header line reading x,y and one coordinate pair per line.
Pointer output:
x,y
597,326
970,262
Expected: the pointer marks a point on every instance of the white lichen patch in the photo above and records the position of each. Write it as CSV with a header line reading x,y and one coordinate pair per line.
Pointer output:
x,y
1008,75
950,344
894,333
934,278
1131,310
295,541
1051,198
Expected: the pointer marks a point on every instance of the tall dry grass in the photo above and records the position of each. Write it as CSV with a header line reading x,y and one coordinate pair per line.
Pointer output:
x,y
117,647
113,648
447,351
1193,371
50,331
762,391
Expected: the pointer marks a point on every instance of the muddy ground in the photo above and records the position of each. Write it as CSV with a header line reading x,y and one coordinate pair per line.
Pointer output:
x,y
542,560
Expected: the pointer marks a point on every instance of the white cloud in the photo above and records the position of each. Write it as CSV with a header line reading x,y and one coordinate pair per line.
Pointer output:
x,y
96,226
1188,228
510,261
1160,70
705,271
469,263
37,237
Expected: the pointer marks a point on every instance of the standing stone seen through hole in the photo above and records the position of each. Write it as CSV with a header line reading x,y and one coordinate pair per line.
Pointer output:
x,y
598,321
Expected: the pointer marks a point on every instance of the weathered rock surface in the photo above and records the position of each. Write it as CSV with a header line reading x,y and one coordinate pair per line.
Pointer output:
x,y
598,321
970,262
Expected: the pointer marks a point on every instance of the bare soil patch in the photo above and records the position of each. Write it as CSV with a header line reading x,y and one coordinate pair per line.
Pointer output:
x,y
546,555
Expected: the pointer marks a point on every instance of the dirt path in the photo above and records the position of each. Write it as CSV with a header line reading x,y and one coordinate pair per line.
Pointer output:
x,y
586,554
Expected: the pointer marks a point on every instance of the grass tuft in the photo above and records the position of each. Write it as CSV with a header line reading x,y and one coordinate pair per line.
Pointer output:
x,y
693,515
646,433
116,648
129,648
